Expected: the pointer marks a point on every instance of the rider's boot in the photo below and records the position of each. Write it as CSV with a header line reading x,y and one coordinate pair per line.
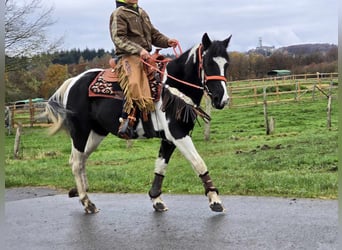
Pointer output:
x,y
125,130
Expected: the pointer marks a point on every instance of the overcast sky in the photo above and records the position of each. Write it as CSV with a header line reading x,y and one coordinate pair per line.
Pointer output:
x,y
85,23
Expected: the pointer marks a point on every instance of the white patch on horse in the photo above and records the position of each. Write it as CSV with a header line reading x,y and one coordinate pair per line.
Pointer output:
x,y
93,142
221,62
157,200
140,129
187,148
192,54
160,166
159,120
164,76
74,80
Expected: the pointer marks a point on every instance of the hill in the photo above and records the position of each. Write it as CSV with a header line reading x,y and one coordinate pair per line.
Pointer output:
x,y
306,49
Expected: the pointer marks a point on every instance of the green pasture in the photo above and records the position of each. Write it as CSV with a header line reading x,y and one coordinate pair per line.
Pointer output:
x,y
298,160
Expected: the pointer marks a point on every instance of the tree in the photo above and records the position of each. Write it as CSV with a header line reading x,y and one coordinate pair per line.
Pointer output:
x,y
56,74
239,66
25,28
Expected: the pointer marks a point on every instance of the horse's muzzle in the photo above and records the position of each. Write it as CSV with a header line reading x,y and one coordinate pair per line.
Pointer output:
x,y
219,103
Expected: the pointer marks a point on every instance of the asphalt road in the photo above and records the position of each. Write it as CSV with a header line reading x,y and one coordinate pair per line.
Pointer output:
x,y
127,221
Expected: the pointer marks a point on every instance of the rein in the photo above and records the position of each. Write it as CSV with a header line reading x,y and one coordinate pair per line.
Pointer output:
x,y
175,50
172,77
200,69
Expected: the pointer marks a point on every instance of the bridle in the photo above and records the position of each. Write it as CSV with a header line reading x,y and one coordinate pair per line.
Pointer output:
x,y
202,75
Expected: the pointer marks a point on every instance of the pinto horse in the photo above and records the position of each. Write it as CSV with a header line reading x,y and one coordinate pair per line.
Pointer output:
x,y
88,120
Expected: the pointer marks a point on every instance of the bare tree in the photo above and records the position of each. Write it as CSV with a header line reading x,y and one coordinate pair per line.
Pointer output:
x,y
25,28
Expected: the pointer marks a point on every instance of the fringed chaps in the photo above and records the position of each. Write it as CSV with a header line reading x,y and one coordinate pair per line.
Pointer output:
x,y
134,83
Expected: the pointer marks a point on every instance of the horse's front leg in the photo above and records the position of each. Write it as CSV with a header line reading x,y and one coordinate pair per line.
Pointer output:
x,y
212,193
165,152
187,148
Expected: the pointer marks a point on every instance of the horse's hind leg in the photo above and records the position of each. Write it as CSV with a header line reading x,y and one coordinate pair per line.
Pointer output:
x,y
78,161
93,142
165,152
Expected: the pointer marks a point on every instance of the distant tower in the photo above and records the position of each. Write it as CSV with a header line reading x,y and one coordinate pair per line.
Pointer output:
x,y
260,42
264,50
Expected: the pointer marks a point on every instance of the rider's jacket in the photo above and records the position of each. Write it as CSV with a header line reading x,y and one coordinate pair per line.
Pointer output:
x,y
131,30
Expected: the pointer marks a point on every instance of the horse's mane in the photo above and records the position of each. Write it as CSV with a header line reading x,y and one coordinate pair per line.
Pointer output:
x,y
178,66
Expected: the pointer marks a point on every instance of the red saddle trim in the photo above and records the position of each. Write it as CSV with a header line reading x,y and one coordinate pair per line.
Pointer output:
x,y
101,87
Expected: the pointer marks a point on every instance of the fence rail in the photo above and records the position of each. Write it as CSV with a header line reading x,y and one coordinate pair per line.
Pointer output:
x,y
282,89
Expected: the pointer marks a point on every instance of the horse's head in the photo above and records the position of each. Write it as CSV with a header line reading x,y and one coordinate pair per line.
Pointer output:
x,y
215,61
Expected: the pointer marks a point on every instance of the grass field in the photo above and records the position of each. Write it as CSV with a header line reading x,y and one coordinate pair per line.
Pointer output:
x,y
298,160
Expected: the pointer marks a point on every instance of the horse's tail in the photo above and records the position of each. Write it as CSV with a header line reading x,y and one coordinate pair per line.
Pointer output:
x,y
55,110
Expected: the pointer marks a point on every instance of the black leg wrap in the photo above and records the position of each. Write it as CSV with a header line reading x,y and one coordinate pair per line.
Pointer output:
x,y
155,190
73,193
207,183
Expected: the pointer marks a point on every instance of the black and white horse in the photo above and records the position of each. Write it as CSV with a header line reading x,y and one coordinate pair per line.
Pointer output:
x,y
89,120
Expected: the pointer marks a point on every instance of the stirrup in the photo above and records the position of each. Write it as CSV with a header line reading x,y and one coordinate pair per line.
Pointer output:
x,y
125,131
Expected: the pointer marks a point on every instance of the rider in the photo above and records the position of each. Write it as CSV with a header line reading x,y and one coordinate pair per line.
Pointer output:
x,y
133,36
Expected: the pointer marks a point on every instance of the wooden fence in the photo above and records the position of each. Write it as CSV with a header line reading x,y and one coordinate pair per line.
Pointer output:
x,y
242,93
282,89
25,114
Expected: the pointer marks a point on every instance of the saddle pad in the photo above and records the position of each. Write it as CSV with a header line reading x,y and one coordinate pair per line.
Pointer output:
x,y
102,88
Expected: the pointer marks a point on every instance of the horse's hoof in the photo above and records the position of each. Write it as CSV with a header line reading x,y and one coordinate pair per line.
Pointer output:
x,y
73,193
91,208
217,207
160,207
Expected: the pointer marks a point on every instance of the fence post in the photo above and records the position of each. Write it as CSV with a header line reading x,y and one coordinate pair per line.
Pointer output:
x,y
230,92
31,108
267,127
207,125
296,91
12,115
313,91
329,106
17,141
8,119
329,113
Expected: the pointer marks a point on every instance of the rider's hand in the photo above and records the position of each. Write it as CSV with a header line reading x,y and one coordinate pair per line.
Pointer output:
x,y
172,43
144,54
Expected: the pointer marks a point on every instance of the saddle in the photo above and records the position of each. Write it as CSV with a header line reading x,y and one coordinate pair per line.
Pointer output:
x,y
104,84
109,74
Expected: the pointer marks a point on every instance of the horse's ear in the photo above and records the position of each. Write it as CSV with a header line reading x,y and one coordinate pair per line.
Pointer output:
x,y
206,42
226,42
